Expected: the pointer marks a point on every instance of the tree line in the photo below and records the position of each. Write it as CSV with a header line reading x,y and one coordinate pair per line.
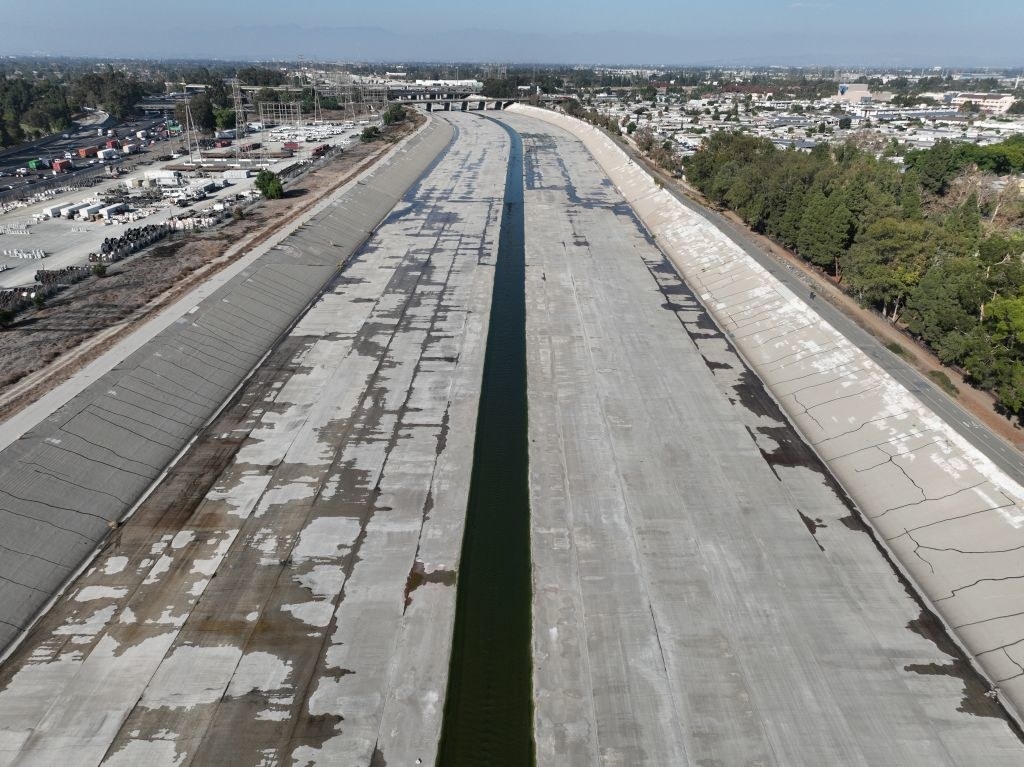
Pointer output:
x,y
936,247
39,106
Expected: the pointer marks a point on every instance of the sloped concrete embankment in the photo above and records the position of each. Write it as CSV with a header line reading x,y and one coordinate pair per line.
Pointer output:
x,y
953,521
66,481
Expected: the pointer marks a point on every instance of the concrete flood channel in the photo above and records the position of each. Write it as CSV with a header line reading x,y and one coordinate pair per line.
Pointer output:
x,y
488,709
655,568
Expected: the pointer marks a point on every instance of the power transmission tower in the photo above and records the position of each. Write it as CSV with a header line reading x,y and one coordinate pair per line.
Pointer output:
x,y
190,127
240,122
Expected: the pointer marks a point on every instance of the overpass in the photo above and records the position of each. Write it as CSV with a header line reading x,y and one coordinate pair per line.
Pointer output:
x,y
471,104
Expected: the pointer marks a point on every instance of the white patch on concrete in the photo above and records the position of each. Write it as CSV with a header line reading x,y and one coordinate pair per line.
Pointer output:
x,y
241,497
311,613
259,671
114,565
323,580
152,753
209,566
298,489
90,626
183,539
191,676
90,593
162,566
326,538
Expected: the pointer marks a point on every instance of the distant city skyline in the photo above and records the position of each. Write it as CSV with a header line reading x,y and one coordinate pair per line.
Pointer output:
x,y
649,32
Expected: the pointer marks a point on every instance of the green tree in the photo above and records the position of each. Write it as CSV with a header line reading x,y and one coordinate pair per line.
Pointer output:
x,y
944,306
393,114
224,118
886,262
825,230
269,184
202,112
910,196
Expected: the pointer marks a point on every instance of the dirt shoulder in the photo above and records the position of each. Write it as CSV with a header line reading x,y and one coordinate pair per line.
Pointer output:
x,y
979,403
45,346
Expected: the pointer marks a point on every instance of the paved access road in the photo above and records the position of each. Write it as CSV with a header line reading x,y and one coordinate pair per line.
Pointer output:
x,y
300,609
702,593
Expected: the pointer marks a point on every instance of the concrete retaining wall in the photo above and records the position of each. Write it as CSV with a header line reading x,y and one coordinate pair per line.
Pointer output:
x,y
69,477
952,519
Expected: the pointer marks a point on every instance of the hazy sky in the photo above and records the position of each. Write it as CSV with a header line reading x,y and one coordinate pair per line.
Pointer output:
x,y
908,32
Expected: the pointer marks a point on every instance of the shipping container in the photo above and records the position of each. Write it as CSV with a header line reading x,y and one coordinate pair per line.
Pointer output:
x,y
107,154
87,151
113,143
130,148
141,134
71,210
110,210
37,164
62,166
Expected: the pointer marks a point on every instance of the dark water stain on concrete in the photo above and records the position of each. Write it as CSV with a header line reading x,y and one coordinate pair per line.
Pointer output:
x,y
418,576
812,526
976,699
713,366
853,522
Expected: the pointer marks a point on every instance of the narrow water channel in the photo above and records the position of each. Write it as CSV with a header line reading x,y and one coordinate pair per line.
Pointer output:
x,y
488,716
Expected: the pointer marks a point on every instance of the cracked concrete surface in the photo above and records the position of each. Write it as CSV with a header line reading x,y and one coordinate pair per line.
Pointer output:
x,y
704,591
299,610
105,435
948,515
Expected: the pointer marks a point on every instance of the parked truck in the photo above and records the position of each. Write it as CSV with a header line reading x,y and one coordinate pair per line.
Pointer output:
x,y
61,166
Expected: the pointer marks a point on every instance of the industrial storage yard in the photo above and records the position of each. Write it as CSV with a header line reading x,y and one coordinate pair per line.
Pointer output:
x,y
225,217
